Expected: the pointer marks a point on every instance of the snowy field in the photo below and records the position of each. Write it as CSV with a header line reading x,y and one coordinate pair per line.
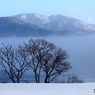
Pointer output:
x,y
47,89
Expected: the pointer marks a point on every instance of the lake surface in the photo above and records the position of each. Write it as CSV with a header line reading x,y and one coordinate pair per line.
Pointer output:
x,y
81,51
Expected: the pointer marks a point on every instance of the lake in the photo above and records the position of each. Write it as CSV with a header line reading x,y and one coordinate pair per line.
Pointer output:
x,y
81,51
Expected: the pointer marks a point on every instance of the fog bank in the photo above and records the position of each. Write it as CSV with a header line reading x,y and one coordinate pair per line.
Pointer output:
x,y
81,51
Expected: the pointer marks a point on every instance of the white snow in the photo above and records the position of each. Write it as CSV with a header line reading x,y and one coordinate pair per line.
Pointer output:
x,y
23,16
47,89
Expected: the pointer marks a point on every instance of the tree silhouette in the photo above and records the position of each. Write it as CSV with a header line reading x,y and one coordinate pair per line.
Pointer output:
x,y
45,58
12,63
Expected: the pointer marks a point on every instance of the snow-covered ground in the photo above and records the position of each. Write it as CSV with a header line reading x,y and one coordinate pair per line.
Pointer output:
x,y
47,89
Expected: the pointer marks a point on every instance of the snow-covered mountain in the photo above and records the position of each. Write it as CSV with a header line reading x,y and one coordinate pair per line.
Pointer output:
x,y
57,22
33,18
13,27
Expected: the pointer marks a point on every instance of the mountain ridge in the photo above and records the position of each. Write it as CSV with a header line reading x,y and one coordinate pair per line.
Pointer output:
x,y
33,24
13,27
56,22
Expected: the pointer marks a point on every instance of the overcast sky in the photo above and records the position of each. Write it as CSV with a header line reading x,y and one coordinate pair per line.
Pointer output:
x,y
81,9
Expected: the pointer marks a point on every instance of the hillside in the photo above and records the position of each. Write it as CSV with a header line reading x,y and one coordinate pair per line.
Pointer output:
x,y
57,22
12,27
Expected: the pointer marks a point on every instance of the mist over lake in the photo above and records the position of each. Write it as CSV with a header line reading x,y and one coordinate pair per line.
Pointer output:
x,y
81,51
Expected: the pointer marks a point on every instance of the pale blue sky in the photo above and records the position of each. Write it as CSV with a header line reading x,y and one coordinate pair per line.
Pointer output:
x,y
81,9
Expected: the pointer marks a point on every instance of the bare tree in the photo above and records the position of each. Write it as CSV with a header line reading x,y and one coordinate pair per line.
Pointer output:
x,y
74,79
55,64
45,58
12,62
69,79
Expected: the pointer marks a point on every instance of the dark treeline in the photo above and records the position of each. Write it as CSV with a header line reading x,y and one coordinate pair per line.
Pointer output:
x,y
38,56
